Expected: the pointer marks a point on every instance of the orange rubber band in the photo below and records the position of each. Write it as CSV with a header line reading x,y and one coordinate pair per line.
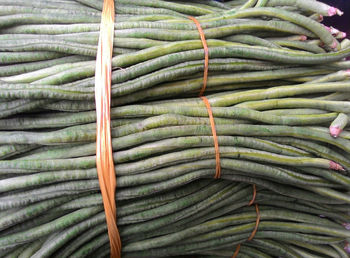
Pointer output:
x,y
104,157
254,196
252,235
206,54
237,251
215,137
205,100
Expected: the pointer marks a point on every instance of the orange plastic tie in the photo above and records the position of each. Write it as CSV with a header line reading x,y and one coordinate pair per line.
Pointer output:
x,y
104,152
252,235
237,251
215,137
254,195
206,54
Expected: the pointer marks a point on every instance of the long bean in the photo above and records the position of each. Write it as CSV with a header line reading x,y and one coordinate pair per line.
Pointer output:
x,y
278,82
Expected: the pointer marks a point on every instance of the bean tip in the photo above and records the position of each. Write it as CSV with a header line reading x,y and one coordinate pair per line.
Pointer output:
x,y
347,248
335,131
334,30
334,44
341,35
303,38
320,18
332,11
335,166
339,12
346,226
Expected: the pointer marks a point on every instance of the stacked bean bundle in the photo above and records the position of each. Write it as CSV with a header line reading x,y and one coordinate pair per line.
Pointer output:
x,y
279,89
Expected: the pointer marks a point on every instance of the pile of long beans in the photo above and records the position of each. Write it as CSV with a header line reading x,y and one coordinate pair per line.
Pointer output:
x,y
279,87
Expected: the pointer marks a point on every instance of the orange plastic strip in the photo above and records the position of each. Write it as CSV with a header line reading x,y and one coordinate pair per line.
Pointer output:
x,y
237,251
104,157
215,137
257,222
206,54
254,195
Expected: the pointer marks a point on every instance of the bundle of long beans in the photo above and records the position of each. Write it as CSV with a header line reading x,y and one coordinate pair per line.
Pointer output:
x,y
278,86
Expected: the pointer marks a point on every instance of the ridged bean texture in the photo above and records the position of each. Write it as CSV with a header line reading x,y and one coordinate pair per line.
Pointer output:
x,y
279,90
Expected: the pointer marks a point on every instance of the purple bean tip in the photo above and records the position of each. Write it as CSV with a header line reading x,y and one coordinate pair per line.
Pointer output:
x,y
332,11
347,248
346,226
335,166
335,131
334,44
342,34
